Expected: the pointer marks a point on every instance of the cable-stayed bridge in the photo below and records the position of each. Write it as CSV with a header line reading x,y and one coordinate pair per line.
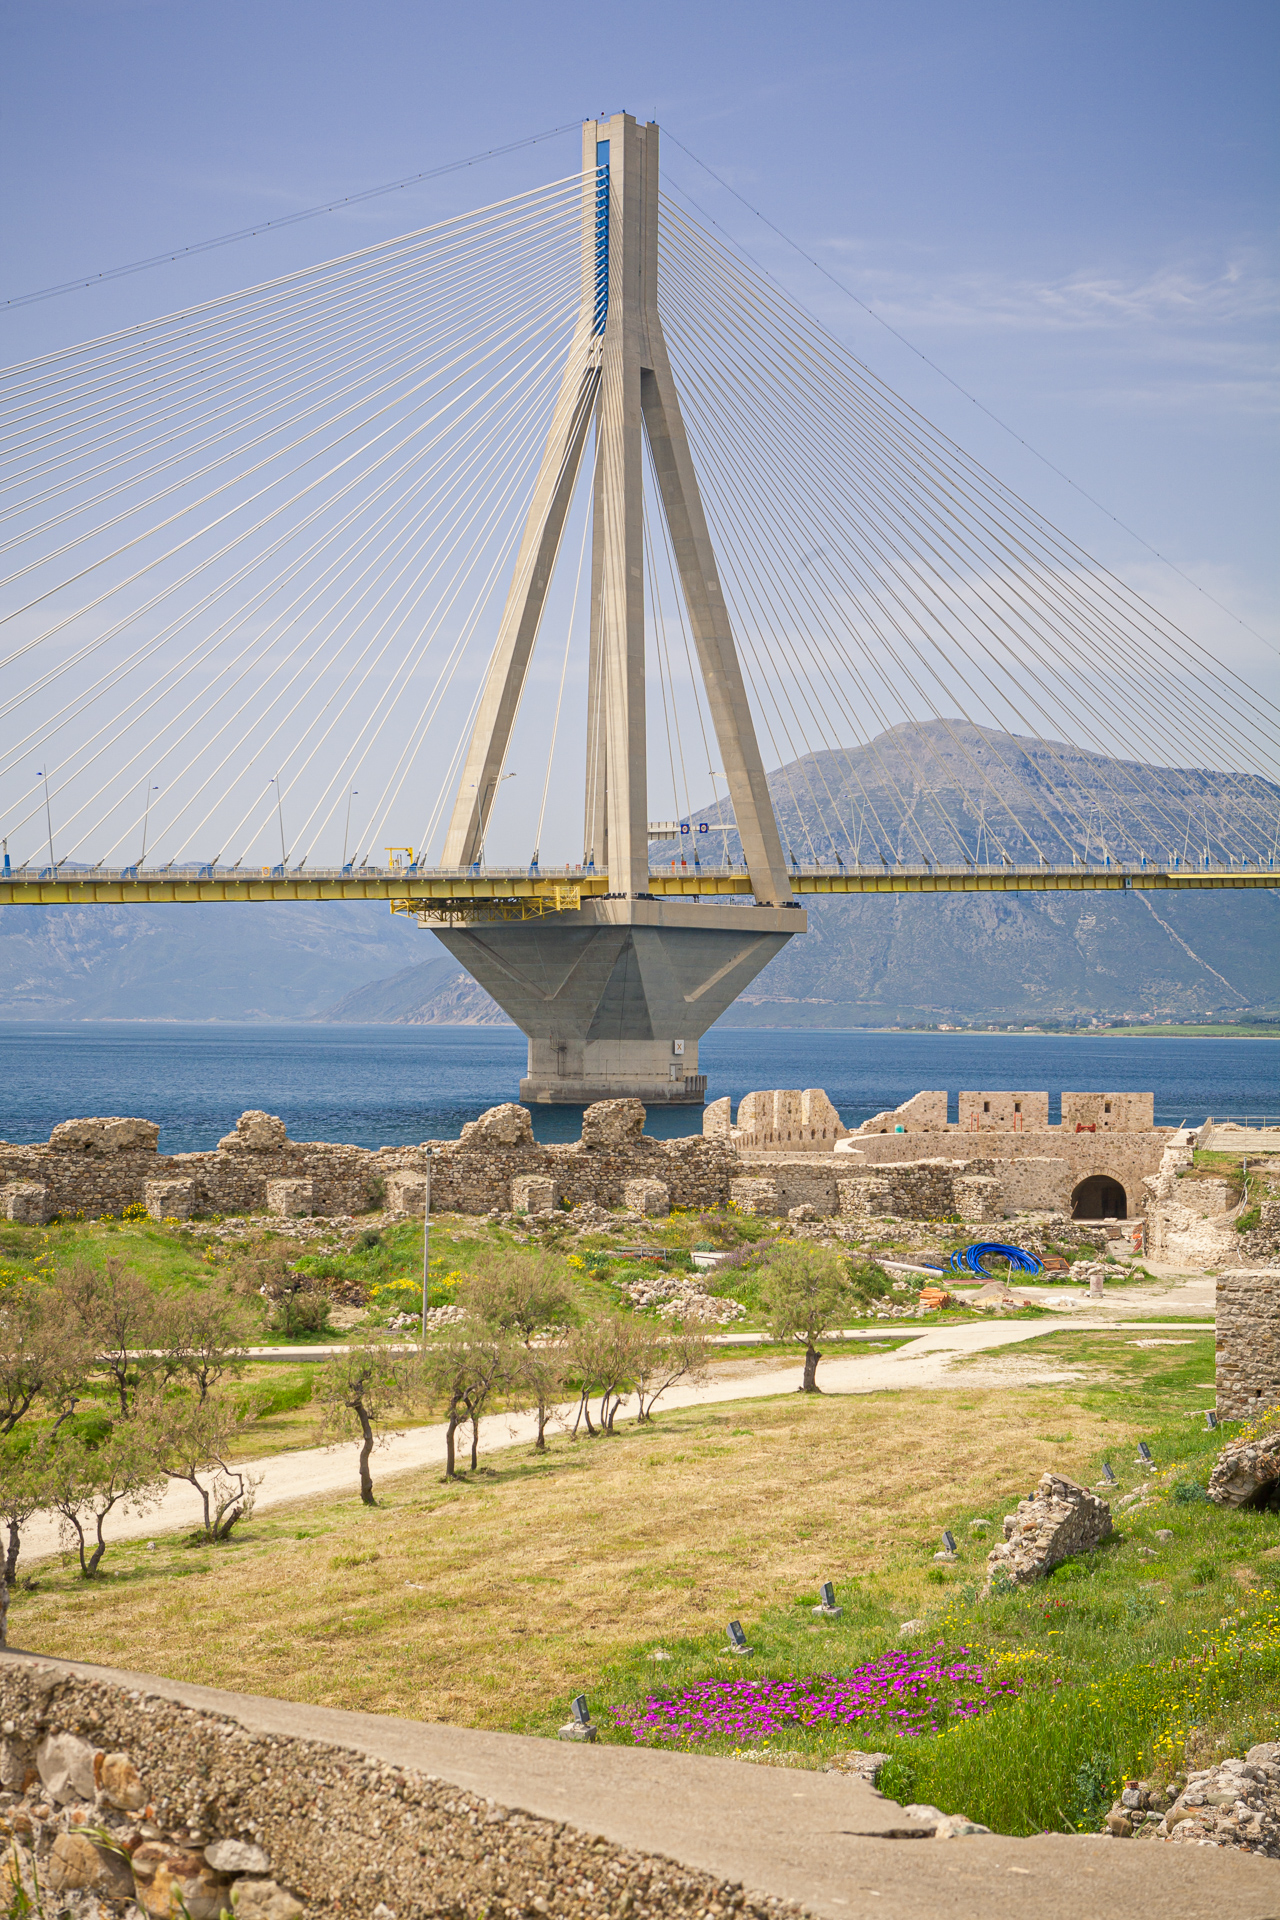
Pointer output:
x,y
276,570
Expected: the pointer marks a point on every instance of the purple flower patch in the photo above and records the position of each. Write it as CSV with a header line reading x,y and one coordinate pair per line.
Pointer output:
x,y
907,1693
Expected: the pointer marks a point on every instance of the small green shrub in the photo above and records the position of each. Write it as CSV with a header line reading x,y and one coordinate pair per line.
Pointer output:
x,y
1186,1492
301,1313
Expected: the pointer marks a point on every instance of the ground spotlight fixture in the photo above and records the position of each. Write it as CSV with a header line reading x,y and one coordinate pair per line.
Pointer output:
x,y
1210,1419
578,1726
1144,1453
737,1638
827,1601
948,1540
1107,1474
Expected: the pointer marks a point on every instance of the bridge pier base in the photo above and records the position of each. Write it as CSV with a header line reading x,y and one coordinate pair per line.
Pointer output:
x,y
615,997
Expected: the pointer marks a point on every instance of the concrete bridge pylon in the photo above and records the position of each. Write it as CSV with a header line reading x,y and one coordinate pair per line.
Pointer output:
x,y
615,993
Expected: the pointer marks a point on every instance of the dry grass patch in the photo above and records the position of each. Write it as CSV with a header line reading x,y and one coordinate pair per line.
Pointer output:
x,y
487,1602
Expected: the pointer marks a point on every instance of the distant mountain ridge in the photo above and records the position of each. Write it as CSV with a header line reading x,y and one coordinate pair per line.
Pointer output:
x,y
953,791
436,993
867,960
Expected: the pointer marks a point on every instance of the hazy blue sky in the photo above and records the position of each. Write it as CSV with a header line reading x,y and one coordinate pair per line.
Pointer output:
x,y
1069,207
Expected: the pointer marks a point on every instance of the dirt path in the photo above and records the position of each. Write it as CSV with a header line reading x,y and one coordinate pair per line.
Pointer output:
x,y
923,1362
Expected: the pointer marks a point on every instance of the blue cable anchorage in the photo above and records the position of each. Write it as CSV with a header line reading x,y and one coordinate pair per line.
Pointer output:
x,y
971,1259
602,237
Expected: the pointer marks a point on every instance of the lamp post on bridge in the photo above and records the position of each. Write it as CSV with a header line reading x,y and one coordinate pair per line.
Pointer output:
x,y
353,795
426,1246
274,781
43,774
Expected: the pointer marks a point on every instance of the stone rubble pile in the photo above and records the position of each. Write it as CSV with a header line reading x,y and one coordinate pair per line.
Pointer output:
x,y
77,1822
1235,1804
1247,1473
995,1298
437,1317
1060,1519
677,1296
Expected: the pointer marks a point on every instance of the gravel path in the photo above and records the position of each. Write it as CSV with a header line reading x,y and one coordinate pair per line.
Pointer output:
x,y
923,1362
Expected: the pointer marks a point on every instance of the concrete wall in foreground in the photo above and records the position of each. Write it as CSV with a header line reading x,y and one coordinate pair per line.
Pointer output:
x,y
291,1828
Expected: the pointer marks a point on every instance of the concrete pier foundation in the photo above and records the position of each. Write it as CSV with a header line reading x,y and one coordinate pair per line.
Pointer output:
x,y
615,997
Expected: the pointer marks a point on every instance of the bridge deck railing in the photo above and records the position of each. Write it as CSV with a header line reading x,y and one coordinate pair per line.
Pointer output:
x,y
558,889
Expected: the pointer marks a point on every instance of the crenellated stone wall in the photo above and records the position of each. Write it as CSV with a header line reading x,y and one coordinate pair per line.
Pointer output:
x,y
786,1119
1109,1112
1014,1112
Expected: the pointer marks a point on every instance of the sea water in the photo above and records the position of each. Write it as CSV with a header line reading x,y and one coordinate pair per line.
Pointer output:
x,y
384,1086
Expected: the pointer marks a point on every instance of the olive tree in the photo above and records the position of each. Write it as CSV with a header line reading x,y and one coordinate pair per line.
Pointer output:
x,y
84,1478
542,1373
117,1311
520,1293
461,1374
806,1288
22,1491
45,1353
603,1355
191,1435
357,1392
661,1359
202,1336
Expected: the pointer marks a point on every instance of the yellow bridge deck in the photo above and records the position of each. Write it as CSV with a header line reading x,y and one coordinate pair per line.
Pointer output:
x,y
433,890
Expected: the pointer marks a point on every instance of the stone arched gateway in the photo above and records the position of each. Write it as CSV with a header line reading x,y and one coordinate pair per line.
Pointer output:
x,y
1099,1198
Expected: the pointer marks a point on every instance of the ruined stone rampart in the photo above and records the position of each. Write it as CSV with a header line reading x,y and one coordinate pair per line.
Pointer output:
x,y
96,1167
103,1166
1247,1322
1038,1169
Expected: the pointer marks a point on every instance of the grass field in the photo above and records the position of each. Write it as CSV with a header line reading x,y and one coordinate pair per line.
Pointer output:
x,y
492,1602
381,1268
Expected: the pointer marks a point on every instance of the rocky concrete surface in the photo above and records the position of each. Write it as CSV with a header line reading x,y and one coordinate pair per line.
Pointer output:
x,y
139,1806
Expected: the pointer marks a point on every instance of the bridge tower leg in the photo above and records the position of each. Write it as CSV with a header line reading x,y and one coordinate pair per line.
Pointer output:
x,y
615,996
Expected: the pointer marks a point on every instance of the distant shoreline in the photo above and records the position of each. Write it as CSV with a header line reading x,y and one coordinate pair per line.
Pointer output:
x,y
1269,1030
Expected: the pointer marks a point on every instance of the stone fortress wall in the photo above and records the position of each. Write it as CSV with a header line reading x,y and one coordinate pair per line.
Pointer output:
x,y
1247,1337
788,1149
1002,1157
101,1166
793,1153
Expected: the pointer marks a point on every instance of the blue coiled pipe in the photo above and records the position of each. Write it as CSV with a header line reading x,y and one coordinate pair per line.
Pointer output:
x,y
971,1259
